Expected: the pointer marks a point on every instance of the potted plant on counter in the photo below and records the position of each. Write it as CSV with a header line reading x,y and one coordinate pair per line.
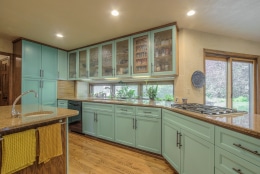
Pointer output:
x,y
151,91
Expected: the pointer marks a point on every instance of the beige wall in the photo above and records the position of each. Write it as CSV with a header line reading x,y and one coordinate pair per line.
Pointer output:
x,y
6,45
191,45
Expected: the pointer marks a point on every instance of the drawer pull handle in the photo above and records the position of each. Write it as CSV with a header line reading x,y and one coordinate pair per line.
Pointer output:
x,y
147,112
123,109
237,170
246,149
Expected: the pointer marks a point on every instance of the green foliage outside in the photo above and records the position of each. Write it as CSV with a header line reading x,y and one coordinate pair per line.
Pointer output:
x,y
125,92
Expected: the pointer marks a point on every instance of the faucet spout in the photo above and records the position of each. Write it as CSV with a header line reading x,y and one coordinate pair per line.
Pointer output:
x,y
16,113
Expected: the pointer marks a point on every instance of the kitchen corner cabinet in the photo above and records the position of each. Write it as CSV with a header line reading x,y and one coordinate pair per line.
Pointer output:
x,y
62,65
39,61
138,127
163,48
140,53
98,120
107,63
184,140
46,89
94,61
122,57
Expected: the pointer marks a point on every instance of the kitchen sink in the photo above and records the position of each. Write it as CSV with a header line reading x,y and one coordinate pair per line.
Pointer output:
x,y
38,114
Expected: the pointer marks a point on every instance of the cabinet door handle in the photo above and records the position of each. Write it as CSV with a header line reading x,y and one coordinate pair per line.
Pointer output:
x,y
246,149
180,140
177,139
237,170
151,67
147,112
123,110
133,123
96,117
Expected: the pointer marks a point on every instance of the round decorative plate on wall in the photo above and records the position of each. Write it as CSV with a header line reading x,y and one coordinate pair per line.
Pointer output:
x,y
198,79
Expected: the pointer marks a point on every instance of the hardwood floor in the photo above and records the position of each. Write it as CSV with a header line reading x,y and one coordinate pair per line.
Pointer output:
x,y
89,156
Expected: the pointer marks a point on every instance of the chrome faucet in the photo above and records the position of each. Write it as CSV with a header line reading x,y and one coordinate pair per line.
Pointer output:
x,y
16,113
111,92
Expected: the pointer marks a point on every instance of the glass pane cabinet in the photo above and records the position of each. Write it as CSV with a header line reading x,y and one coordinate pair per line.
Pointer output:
x,y
141,54
163,51
93,62
72,65
107,60
122,57
83,64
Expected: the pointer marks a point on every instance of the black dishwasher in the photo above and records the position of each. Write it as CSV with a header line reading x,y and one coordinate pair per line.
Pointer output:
x,y
75,122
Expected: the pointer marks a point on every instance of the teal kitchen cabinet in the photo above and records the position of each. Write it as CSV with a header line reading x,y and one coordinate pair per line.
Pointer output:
x,y
184,140
98,120
62,65
138,129
107,57
122,57
83,64
236,152
94,59
46,89
39,61
125,125
72,65
163,48
140,54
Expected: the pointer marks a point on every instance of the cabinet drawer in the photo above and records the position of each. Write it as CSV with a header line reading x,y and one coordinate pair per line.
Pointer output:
x,y
199,128
239,144
98,106
148,111
124,109
63,103
230,164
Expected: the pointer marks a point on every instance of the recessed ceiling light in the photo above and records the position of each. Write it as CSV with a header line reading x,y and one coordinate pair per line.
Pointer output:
x,y
59,35
191,13
115,13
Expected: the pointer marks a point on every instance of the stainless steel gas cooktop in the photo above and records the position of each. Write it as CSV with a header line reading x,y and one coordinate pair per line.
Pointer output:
x,y
206,109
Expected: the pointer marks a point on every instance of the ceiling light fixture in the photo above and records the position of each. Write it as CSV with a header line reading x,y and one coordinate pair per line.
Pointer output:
x,y
191,13
59,35
115,13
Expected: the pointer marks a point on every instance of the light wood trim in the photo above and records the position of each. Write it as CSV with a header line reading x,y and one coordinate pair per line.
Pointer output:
x,y
230,54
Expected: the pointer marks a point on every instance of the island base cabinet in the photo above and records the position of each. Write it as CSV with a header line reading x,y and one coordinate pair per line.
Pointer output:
x,y
227,163
148,134
125,129
197,155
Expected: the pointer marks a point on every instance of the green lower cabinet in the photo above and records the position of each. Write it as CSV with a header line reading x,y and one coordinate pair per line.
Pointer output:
x,y
124,129
185,151
98,124
105,125
148,134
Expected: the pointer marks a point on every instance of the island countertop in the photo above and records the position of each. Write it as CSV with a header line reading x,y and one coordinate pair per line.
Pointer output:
x,y
243,123
8,123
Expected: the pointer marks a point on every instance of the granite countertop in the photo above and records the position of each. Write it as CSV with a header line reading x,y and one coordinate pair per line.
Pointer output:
x,y
243,123
8,123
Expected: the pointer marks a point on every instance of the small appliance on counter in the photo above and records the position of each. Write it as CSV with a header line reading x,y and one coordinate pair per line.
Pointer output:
x,y
75,123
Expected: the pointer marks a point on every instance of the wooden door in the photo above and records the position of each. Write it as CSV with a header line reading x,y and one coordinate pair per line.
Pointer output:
x,y
4,81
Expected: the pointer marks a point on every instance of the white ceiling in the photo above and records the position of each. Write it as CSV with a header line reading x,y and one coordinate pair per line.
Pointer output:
x,y
84,22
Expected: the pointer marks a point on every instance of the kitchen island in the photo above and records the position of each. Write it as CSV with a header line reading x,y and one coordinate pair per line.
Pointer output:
x,y
33,117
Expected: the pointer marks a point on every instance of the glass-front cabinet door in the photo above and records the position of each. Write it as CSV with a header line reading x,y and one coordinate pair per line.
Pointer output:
x,y
72,65
107,59
83,72
140,53
164,51
94,55
122,47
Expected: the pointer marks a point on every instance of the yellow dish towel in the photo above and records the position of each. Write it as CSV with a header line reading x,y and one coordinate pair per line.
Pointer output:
x,y
50,142
18,151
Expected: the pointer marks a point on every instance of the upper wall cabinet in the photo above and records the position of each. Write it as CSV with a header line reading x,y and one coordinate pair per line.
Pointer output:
x,y
83,71
163,45
107,50
122,57
62,65
140,54
72,59
39,61
94,61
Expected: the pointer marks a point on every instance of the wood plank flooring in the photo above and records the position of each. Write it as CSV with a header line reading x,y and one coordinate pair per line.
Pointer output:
x,y
90,156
